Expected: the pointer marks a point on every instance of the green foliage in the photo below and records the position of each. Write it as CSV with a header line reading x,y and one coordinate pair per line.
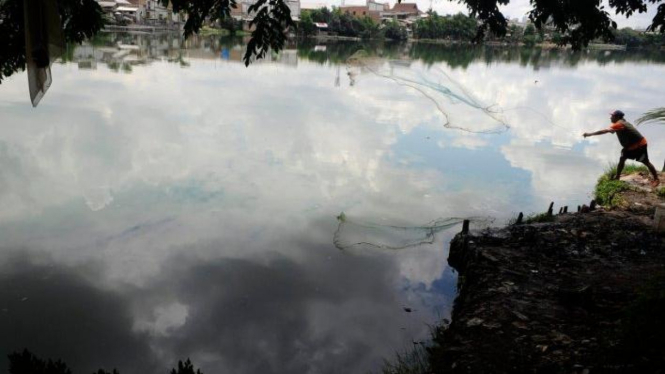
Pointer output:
x,y
185,368
81,19
231,25
661,192
608,192
27,363
637,39
414,361
393,30
557,38
539,218
370,28
579,22
271,20
514,35
531,35
339,23
654,115
306,26
611,170
457,27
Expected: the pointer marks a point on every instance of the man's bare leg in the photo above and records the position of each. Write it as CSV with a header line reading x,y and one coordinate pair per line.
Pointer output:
x,y
622,162
654,173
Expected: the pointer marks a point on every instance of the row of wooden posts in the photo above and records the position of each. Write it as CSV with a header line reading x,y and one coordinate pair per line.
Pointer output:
x,y
563,210
550,212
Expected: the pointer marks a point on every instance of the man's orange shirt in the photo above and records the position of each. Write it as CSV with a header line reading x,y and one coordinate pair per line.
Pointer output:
x,y
618,126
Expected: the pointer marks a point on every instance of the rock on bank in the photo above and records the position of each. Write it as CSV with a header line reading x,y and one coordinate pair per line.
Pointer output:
x,y
583,294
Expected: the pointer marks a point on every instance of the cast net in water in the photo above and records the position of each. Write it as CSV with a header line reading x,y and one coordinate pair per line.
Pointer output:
x,y
459,107
355,234
457,104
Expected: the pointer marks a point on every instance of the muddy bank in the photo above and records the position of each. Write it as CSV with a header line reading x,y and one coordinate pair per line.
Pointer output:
x,y
582,294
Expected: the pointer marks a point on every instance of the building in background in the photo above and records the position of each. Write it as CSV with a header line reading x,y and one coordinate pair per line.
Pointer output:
x,y
139,11
371,9
403,11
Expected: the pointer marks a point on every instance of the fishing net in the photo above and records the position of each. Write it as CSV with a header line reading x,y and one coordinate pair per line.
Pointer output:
x,y
353,234
460,109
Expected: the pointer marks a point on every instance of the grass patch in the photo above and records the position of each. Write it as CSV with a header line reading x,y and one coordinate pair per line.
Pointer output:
x,y
611,170
608,192
414,361
661,192
208,31
532,218
539,218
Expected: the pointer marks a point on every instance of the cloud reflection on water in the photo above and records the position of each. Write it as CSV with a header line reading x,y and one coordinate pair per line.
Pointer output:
x,y
168,223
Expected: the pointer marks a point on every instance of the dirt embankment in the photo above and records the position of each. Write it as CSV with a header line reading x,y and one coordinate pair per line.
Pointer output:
x,y
582,294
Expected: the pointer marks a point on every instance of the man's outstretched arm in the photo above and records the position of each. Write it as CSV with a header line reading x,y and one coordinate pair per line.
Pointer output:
x,y
600,132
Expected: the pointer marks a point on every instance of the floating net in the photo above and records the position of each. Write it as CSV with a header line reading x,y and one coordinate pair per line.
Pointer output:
x,y
352,234
460,109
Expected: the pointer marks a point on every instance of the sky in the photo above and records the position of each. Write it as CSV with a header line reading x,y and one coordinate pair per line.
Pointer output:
x,y
515,9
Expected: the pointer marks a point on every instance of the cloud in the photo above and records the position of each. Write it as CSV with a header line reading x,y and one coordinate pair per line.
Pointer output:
x,y
210,228
268,314
55,312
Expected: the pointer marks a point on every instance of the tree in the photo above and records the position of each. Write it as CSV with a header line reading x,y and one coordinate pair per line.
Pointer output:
x,y
654,115
457,27
27,363
230,24
271,20
370,29
578,22
185,368
81,19
530,37
306,26
393,30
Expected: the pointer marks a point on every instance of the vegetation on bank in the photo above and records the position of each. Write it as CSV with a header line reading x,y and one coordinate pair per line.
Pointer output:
x,y
28,363
628,337
413,361
661,192
343,24
608,190
458,27
539,218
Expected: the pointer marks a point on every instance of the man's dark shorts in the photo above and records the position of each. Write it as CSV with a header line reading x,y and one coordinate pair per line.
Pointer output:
x,y
639,154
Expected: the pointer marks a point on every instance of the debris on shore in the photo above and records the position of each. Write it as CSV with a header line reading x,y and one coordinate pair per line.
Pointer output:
x,y
583,293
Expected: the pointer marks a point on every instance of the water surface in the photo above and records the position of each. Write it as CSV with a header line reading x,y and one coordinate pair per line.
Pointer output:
x,y
164,201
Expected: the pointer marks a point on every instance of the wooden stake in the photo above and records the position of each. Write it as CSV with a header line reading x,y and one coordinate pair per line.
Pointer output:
x,y
465,226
